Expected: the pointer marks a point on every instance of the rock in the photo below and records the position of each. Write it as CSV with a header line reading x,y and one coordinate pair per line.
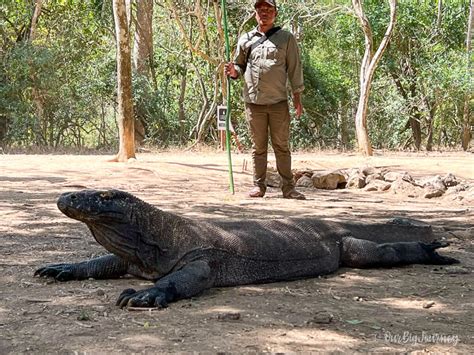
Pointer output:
x,y
403,187
356,181
391,176
456,189
373,177
304,181
432,193
329,180
229,316
378,185
433,183
450,180
273,178
322,317
368,170
428,304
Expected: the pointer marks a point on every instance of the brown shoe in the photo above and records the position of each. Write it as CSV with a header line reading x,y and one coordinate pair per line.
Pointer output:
x,y
257,192
294,195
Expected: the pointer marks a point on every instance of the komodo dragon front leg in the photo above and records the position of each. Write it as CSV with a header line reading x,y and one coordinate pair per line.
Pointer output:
x,y
104,267
186,282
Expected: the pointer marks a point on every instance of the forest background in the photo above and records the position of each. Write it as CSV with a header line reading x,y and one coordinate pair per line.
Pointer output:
x,y
58,76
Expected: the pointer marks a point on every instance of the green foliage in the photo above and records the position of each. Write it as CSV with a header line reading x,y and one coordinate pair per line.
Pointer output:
x,y
58,89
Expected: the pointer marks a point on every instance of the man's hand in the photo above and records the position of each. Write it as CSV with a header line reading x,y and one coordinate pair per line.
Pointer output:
x,y
298,105
229,70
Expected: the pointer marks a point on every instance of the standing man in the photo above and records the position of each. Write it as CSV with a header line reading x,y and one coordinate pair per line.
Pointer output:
x,y
268,58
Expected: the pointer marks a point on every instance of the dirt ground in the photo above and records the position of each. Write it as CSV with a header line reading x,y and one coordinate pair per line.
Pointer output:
x,y
418,308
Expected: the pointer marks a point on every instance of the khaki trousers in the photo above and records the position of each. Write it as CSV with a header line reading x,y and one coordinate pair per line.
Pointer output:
x,y
275,119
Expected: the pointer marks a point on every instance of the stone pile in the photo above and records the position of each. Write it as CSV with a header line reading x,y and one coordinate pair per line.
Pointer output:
x,y
376,179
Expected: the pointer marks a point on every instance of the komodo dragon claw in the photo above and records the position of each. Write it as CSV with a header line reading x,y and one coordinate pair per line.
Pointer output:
x,y
150,297
60,272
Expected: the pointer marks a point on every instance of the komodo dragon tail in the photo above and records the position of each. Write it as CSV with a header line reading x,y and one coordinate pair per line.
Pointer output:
x,y
360,253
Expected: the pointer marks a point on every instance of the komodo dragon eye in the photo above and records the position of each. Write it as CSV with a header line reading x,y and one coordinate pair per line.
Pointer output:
x,y
106,196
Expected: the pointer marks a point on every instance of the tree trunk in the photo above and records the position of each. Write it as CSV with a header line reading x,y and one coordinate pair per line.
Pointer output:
x,y
3,130
34,19
143,40
466,129
142,58
181,111
362,134
415,125
41,124
368,66
124,84
343,135
431,107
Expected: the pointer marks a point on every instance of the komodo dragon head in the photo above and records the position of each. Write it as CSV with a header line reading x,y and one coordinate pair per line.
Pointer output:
x,y
118,221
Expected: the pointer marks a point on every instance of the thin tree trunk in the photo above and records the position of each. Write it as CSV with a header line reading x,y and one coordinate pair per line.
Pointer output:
x,y
415,125
34,19
143,39
125,119
432,107
41,125
466,130
142,58
181,111
3,130
439,17
343,131
368,66
204,104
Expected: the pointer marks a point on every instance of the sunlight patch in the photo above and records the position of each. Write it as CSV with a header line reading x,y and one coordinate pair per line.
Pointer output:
x,y
143,340
414,304
285,341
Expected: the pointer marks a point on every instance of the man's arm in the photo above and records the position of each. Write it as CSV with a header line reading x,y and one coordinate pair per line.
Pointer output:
x,y
297,103
230,70
295,73
236,68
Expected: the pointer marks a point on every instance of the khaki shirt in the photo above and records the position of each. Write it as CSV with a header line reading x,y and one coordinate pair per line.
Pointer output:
x,y
270,67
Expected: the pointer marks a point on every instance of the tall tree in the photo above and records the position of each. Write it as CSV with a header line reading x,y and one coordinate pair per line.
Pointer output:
x,y
143,57
466,131
125,117
367,69
41,121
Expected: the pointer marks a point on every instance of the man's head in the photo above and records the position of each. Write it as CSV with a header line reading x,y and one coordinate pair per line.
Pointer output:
x,y
265,13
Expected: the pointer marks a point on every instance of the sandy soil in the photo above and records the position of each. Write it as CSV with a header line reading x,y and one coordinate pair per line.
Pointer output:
x,y
418,308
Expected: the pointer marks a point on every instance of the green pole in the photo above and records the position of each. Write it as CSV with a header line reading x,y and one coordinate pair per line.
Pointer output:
x,y
227,116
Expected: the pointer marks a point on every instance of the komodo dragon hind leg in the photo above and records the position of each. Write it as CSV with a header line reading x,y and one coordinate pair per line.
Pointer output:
x,y
362,253
186,282
104,267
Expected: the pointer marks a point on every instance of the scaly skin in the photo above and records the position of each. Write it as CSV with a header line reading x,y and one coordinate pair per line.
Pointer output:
x,y
185,257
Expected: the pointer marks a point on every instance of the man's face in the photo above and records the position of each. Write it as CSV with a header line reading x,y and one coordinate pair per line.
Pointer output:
x,y
265,14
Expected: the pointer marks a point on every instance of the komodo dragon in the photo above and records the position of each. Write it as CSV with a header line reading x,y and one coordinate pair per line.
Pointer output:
x,y
185,256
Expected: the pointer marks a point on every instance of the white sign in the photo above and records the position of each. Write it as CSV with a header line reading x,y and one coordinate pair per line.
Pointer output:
x,y
221,113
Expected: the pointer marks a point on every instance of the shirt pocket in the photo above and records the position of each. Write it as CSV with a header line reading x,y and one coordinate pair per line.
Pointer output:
x,y
275,53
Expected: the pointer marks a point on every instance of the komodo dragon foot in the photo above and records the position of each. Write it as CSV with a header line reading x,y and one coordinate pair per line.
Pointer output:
x,y
150,297
60,272
435,258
